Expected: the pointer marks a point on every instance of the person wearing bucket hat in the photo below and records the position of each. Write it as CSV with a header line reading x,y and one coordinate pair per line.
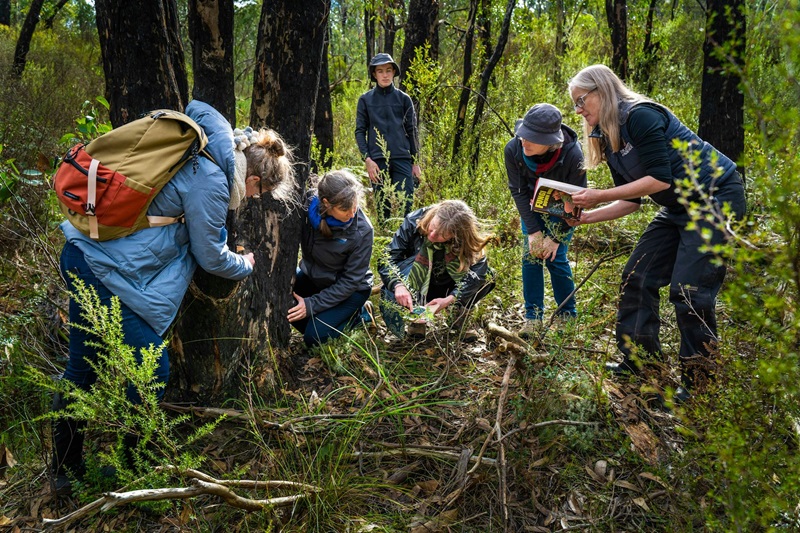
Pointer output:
x,y
387,136
543,147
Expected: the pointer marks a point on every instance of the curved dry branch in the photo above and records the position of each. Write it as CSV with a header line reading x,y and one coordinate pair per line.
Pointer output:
x,y
200,484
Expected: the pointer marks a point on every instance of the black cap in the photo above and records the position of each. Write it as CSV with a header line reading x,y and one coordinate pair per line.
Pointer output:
x,y
541,125
382,59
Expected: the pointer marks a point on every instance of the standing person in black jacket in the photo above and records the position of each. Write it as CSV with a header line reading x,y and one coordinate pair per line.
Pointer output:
x,y
334,280
436,259
387,113
543,147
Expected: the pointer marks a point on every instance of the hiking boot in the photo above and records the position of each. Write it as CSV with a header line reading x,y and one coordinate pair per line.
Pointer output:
x,y
624,368
681,396
368,317
417,329
531,328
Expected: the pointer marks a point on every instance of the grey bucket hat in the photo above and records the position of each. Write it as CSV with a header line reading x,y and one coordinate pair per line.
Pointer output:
x,y
382,59
541,125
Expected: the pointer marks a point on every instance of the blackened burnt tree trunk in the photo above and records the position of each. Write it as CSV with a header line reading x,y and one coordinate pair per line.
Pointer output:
x,y
617,15
422,29
323,115
369,28
143,63
721,101
486,75
211,33
466,90
5,12
237,339
25,36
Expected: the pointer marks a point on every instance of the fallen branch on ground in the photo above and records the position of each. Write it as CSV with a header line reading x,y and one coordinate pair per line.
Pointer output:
x,y
200,484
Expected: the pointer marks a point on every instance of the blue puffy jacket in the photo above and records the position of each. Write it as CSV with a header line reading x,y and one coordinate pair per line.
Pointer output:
x,y
150,270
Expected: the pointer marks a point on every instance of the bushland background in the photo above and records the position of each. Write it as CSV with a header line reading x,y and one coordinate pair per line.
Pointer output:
x,y
438,435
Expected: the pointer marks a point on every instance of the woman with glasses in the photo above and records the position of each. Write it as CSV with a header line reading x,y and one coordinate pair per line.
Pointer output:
x,y
436,260
634,136
543,147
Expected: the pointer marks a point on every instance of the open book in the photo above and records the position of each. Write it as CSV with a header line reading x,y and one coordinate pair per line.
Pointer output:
x,y
554,198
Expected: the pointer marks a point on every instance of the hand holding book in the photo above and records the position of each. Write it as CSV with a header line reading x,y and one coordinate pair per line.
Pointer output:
x,y
555,198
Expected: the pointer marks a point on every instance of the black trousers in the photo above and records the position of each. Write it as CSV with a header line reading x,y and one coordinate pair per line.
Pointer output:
x,y
670,254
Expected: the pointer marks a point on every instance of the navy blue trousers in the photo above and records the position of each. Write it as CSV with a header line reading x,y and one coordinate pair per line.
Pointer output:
x,y
330,323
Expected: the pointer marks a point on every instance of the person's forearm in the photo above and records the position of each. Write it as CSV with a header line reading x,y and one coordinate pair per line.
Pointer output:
x,y
635,189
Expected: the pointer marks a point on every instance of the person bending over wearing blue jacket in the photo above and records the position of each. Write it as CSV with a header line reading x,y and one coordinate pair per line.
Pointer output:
x,y
334,280
543,148
388,113
436,259
150,270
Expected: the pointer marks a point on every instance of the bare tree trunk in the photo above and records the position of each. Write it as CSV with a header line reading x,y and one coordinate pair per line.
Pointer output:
x,y
237,339
5,12
502,39
211,32
143,63
369,28
25,36
617,15
421,29
721,101
389,23
323,116
484,23
650,50
463,102
48,23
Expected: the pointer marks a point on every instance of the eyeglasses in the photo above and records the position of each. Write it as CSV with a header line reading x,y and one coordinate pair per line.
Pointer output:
x,y
581,100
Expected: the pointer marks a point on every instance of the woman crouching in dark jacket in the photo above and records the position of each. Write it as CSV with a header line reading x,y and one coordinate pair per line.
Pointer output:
x,y
334,279
436,259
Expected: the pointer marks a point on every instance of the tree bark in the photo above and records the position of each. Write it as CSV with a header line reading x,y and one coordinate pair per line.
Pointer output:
x,y
389,23
466,90
236,340
48,23
323,116
143,63
486,75
211,33
649,52
421,28
721,101
25,36
617,15
5,12
369,29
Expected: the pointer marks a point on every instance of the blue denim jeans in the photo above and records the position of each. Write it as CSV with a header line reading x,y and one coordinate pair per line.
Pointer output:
x,y
136,332
401,179
330,323
560,273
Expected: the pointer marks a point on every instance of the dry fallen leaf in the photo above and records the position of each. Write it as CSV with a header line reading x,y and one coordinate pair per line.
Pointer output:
x,y
641,503
653,477
429,486
626,485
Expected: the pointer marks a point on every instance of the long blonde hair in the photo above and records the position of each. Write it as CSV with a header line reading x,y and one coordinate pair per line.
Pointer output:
x,y
612,92
457,219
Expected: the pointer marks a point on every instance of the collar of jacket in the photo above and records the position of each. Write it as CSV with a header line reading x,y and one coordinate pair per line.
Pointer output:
x,y
389,89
